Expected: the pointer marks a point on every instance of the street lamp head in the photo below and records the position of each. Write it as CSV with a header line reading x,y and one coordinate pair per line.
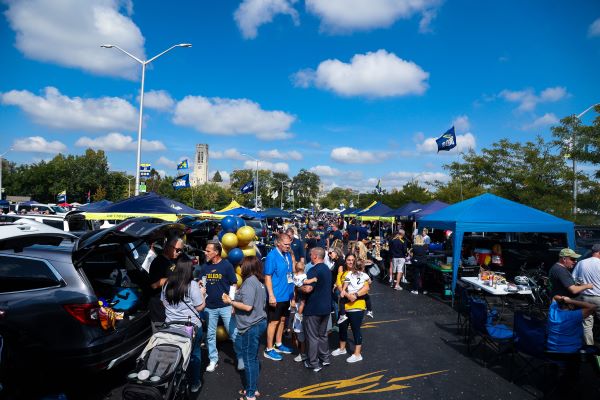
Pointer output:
x,y
184,45
107,46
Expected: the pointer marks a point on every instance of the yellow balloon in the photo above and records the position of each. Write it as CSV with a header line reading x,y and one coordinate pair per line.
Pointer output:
x,y
245,235
223,253
222,333
229,241
239,279
238,269
249,251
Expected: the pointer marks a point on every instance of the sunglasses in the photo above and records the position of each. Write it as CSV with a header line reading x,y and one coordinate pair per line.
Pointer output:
x,y
178,250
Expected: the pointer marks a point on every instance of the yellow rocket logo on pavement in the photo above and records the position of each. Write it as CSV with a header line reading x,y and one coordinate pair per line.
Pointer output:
x,y
373,382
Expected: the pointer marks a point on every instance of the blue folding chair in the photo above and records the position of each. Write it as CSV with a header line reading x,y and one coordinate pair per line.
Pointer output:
x,y
496,336
529,346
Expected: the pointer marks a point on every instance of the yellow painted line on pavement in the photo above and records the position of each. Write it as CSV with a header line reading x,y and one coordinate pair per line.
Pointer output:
x,y
374,324
363,384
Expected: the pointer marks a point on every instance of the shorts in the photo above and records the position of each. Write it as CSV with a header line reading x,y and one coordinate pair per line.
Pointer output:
x,y
281,309
398,265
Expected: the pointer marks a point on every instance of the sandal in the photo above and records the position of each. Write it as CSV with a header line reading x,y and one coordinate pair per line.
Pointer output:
x,y
242,392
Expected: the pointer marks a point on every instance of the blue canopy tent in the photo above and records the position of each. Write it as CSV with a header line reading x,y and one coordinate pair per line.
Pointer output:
x,y
428,209
150,204
377,212
96,206
490,213
406,211
276,213
241,212
350,210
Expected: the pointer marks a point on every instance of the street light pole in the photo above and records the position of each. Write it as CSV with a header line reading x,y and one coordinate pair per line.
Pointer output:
x,y
256,181
282,182
128,184
2,155
575,162
144,63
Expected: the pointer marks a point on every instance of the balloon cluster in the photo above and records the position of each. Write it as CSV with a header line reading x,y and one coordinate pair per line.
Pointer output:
x,y
236,238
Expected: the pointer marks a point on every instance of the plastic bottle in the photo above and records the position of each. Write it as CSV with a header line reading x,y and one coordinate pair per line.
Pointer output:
x,y
189,328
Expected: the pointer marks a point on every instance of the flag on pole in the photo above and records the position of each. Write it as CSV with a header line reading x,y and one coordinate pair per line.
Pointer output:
x,y
378,186
275,194
62,197
447,141
248,187
182,165
181,182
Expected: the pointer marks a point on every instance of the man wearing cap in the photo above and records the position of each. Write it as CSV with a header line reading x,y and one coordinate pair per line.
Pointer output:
x,y
560,276
588,271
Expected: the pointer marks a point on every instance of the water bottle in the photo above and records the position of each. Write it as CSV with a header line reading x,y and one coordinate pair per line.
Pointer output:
x,y
189,328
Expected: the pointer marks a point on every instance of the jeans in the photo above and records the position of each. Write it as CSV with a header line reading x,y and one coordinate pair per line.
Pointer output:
x,y
195,358
211,335
248,343
355,319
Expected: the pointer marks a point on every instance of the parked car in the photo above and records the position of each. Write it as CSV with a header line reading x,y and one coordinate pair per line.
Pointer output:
x,y
73,222
50,286
585,237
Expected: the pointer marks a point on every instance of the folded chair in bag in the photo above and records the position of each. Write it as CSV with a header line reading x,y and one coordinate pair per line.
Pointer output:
x,y
498,337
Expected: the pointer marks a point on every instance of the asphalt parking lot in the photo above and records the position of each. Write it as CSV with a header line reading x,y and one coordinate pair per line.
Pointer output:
x,y
411,350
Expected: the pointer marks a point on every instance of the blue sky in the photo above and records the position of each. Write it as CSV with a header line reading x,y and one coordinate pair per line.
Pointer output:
x,y
354,90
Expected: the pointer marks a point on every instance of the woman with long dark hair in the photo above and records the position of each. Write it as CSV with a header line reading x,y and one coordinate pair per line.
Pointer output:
x,y
184,299
251,320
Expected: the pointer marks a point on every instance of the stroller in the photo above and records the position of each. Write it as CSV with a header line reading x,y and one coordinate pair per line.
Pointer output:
x,y
160,372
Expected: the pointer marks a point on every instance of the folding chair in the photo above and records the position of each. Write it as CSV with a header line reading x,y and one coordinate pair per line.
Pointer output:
x,y
529,346
462,310
497,336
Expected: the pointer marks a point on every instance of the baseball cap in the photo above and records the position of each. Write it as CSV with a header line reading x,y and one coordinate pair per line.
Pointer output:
x,y
596,248
568,253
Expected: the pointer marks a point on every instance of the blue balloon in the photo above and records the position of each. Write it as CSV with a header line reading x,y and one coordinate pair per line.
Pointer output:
x,y
229,224
220,234
239,223
235,256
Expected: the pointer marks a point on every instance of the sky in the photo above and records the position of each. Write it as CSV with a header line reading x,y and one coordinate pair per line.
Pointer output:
x,y
353,90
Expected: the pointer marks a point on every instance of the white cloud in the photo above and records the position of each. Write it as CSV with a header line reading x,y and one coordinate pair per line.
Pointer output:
x,y
166,162
325,170
229,154
162,173
349,155
253,13
158,100
374,74
545,120
528,100
463,143
348,15
37,144
461,123
278,155
275,167
230,117
116,141
74,113
70,32
224,175
594,29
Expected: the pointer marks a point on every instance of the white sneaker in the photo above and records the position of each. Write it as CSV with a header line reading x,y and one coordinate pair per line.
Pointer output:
x,y
425,292
370,314
398,287
300,358
338,352
342,319
353,358
414,291
211,366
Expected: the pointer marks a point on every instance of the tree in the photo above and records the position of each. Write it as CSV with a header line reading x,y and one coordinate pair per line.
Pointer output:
x,y
217,177
335,197
306,188
99,194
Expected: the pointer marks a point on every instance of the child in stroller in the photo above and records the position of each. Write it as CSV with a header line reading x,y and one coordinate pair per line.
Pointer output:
x,y
162,370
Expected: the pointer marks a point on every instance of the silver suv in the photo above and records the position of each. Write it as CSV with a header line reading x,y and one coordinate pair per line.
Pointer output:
x,y
50,285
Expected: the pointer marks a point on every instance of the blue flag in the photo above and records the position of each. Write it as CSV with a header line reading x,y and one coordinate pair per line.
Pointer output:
x,y
61,197
181,182
182,165
248,187
378,186
447,141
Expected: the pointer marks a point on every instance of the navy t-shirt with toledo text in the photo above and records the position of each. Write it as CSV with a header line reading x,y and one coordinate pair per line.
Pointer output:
x,y
219,277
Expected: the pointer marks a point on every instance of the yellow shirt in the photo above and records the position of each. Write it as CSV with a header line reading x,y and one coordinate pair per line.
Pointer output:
x,y
359,304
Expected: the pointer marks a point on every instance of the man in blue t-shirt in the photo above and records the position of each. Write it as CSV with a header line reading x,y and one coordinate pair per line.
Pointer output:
x,y
297,246
279,273
334,234
316,311
565,324
220,277
363,231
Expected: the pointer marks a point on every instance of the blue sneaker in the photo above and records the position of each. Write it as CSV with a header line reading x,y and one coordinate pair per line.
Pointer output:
x,y
273,355
283,349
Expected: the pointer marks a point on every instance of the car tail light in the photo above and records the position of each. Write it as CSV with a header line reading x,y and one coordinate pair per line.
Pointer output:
x,y
86,313
264,231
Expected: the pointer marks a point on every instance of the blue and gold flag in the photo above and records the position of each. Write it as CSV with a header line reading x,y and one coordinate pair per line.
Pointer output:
x,y
182,165
181,182
447,141
248,187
